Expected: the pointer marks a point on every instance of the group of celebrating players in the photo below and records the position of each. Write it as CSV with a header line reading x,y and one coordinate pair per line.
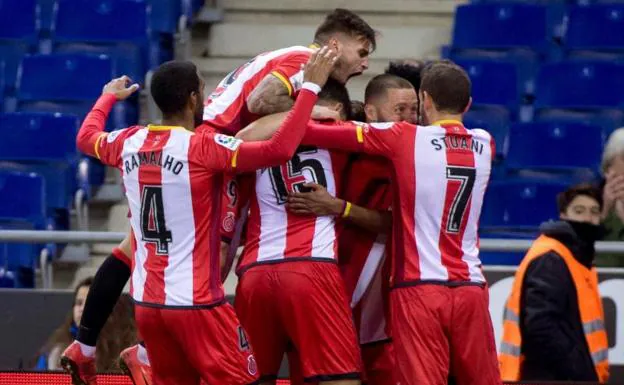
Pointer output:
x,y
360,253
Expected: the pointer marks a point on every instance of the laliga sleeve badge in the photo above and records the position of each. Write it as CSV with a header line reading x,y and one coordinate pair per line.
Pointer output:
x,y
110,138
229,142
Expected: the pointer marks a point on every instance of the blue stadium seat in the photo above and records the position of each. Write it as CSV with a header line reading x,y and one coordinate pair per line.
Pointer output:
x,y
165,15
18,20
502,26
46,15
597,27
27,139
25,210
494,82
520,204
607,120
77,82
115,28
494,121
555,147
580,84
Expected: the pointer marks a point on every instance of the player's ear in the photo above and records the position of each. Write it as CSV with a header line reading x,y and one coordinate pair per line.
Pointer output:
x,y
371,113
468,105
334,44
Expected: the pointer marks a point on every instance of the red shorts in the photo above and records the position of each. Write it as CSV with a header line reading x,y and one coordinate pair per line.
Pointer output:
x,y
299,306
379,363
186,345
441,330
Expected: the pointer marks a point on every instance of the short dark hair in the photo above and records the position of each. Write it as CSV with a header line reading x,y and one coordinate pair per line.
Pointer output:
x,y
172,85
380,84
357,111
347,22
406,70
448,85
566,197
336,92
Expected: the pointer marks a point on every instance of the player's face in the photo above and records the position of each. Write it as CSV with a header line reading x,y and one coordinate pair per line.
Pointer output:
x,y
353,57
583,209
399,105
79,302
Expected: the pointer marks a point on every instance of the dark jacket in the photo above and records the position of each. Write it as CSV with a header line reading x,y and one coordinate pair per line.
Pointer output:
x,y
553,341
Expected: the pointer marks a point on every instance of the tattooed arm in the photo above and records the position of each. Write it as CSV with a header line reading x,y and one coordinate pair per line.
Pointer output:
x,y
270,96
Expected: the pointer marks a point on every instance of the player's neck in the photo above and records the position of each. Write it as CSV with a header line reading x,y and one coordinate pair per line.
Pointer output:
x,y
443,116
179,121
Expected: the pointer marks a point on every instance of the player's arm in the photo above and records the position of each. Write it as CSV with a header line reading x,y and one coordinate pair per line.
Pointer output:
x,y
320,202
265,127
275,93
249,156
91,139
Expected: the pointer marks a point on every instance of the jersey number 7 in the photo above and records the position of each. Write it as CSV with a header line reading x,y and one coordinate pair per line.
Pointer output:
x,y
153,226
466,178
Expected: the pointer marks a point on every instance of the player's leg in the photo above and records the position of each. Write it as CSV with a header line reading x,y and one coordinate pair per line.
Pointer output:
x,y
420,315
108,283
379,363
170,364
473,348
259,315
318,320
215,344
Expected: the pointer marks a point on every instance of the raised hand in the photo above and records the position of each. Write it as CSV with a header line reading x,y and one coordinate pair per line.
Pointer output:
x,y
120,88
320,66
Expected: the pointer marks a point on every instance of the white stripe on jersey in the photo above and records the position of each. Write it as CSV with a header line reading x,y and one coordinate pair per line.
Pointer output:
x,y
232,91
132,145
273,219
178,206
373,260
469,241
372,314
430,190
324,230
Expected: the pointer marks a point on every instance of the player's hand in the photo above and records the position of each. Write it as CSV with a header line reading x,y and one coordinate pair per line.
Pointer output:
x,y
120,87
324,113
320,66
318,201
613,191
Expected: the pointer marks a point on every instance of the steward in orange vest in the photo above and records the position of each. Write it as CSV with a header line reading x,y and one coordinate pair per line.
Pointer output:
x,y
554,322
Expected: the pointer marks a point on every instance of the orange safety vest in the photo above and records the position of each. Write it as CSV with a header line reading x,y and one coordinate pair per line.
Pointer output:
x,y
589,303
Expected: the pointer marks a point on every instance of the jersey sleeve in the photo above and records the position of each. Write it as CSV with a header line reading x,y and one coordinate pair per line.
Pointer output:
x,y
93,141
375,138
217,151
290,73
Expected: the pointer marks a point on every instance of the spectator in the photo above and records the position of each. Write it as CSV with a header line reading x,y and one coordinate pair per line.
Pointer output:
x,y
118,333
613,195
554,321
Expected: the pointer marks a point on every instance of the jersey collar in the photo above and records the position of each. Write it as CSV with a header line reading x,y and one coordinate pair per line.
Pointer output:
x,y
153,127
448,122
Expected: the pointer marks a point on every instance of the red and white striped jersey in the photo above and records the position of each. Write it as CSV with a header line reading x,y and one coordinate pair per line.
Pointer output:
x,y
362,253
174,198
275,235
440,174
226,108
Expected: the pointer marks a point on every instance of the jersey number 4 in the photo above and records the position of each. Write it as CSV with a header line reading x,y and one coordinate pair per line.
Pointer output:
x,y
466,178
289,177
153,226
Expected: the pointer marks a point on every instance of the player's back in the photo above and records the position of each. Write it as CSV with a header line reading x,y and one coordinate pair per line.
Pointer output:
x,y
226,107
442,172
274,234
174,203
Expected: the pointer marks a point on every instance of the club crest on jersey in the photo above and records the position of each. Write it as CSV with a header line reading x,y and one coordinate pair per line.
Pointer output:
x,y
252,367
228,222
229,142
110,138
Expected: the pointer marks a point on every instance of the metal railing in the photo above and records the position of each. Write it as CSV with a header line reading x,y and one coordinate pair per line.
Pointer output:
x,y
89,237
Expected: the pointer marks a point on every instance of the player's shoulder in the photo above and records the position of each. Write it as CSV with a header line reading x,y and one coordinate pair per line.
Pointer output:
x,y
221,140
122,133
290,53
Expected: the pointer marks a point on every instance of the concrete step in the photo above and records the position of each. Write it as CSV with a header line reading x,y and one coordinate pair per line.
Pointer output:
x,y
248,39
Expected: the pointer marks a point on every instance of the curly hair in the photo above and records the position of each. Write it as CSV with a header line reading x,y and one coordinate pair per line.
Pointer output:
x,y
347,22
